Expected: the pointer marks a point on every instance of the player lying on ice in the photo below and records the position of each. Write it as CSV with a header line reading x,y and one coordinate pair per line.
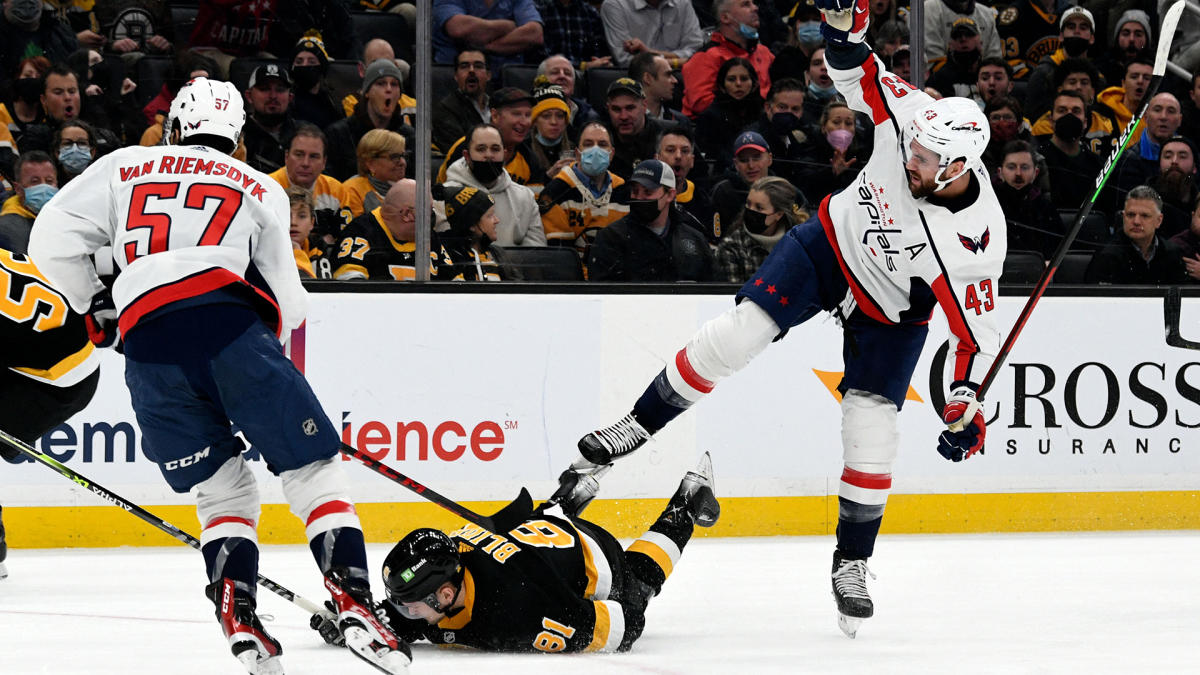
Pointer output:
x,y
554,583
918,227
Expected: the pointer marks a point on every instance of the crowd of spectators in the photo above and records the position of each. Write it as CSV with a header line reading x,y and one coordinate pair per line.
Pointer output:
x,y
658,140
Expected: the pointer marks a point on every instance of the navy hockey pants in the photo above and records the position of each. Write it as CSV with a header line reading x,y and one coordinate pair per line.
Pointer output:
x,y
801,278
194,371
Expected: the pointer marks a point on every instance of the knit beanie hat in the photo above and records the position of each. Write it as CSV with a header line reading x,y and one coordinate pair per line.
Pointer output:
x,y
550,97
312,42
464,207
1134,15
381,68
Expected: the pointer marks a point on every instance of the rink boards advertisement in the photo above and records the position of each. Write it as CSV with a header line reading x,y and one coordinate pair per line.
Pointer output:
x,y
1092,422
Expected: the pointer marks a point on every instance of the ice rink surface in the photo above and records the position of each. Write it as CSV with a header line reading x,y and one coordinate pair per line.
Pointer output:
x,y
997,603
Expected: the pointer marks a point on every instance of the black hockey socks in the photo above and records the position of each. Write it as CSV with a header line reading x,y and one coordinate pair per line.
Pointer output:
x,y
234,558
340,547
858,526
654,555
659,404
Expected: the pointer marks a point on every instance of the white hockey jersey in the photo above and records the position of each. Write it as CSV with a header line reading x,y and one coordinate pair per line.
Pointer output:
x,y
891,244
182,221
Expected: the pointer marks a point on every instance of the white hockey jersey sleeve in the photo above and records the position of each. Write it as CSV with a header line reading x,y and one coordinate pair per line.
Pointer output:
x,y
869,88
274,259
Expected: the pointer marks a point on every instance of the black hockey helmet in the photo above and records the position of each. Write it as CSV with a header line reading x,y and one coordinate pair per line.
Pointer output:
x,y
419,564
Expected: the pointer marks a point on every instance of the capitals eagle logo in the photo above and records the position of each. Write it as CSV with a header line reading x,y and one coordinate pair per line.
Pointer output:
x,y
976,245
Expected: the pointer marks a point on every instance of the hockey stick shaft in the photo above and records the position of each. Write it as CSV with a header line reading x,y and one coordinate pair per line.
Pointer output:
x,y
488,523
1170,21
133,509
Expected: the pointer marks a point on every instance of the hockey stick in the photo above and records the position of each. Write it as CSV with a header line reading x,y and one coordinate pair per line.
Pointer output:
x,y
502,521
1167,34
110,496
1172,308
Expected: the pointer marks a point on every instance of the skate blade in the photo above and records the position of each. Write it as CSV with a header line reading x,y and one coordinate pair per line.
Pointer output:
x,y
361,644
849,624
272,665
3,571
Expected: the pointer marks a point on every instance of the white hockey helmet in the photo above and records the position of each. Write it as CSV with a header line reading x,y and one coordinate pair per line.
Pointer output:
x,y
953,128
209,107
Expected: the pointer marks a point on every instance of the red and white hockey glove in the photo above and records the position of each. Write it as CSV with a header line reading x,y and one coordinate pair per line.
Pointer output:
x,y
964,416
845,20
101,320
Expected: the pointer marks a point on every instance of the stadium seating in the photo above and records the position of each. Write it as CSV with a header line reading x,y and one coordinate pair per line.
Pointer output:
x,y
519,263
1073,267
1022,267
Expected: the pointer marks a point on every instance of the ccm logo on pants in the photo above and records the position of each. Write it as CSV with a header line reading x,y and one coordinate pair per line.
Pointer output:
x,y
186,461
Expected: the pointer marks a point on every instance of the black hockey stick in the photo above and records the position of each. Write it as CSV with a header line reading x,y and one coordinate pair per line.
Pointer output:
x,y
502,521
1172,309
1167,34
129,507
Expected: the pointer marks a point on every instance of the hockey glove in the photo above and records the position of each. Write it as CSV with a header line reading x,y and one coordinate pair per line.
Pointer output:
x,y
845,20
101,320
967,428
325,623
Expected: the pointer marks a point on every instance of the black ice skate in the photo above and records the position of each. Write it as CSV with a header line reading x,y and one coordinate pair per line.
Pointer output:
x,y
850,590
696,494
3,547
365,634
577,486
248,640
614,441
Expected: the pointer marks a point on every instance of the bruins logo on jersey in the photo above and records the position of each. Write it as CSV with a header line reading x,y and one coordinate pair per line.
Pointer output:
x,y
1007,16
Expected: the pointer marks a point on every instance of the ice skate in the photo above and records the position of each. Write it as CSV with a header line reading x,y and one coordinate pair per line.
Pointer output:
x,y
578,485
697,492
258,652
614,441
850,590
365,634
3,547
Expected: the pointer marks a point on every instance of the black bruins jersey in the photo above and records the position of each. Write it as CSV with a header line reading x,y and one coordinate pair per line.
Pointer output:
x,y
43,339
366,249
547,585
1026,35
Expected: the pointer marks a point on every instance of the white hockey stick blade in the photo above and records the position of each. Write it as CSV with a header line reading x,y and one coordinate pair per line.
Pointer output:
x,y
1167,36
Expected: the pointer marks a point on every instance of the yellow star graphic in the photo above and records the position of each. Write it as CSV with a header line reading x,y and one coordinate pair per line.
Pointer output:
x,y
831,379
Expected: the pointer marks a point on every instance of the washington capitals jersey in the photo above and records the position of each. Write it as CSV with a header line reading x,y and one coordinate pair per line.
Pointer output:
x,y
183,221
899,252
43,339
542,586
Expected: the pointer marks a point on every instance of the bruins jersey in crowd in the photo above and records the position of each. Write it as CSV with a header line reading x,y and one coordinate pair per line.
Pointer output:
x,y
464,263
367,250
329,196
546,585
572,214
1026,35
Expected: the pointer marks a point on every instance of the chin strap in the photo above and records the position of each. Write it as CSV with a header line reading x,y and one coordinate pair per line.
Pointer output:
x,y
943,182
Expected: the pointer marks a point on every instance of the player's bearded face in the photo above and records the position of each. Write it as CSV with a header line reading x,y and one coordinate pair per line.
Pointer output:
x,y
922,167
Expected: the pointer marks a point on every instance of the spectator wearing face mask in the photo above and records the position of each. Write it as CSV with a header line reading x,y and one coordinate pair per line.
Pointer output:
x,y
312,101
1034,224
29,30
804,37
585,197
35,182
481,165
75,147
782,124
770,211
1076,35
940,16
820,88
25,107
1077,75
1007,123
957,74
834,154
511,115
736,35
1071,164
751,161
550,146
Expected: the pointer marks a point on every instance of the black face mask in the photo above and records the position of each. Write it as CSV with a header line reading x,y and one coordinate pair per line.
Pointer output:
x,y
963,58
753,221
29,89
307,77
102,75
645,210
784,123
1075,46
486,171
1068,128
270,119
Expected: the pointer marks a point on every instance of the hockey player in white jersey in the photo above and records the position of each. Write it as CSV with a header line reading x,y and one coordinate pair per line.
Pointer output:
x,y
918,227
207,289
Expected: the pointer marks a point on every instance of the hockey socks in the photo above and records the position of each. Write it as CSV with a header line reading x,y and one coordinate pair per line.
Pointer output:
x,y
230,548
671,393
861,499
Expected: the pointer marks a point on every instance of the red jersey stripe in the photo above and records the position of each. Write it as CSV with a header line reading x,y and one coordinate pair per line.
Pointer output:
x,y
330,508
865,302
870,481
221,520
967,347
188,287
870,92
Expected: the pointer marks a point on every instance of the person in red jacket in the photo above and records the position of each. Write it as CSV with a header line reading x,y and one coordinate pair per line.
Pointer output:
x,y
736,35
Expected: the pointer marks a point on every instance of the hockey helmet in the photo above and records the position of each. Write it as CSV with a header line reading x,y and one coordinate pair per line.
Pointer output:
x,y
419,564
208,107
953,128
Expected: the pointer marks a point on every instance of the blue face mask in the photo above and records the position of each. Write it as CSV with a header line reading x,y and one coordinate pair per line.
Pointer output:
x,y
548,142
594,161
821,92
748,32
808,32
74,158
37,196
